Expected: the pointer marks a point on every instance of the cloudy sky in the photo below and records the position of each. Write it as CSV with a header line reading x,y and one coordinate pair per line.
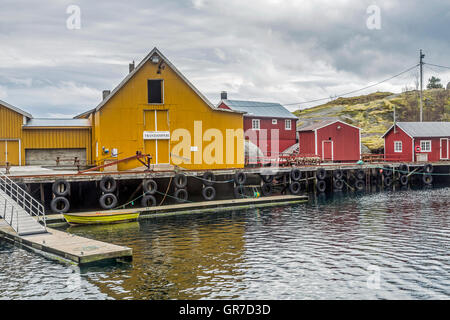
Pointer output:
x,y
272,50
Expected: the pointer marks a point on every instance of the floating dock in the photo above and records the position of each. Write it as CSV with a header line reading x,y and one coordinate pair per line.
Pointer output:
x,y
66,247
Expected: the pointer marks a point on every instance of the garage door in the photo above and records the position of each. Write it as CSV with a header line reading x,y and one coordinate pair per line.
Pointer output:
x,y
48,156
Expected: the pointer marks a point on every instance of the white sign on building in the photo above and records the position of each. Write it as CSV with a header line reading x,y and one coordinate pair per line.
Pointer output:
x,y
156,135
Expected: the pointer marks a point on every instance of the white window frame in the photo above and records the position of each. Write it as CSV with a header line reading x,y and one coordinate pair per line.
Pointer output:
x,y
286,121
398,143
254,121
274,121
421,147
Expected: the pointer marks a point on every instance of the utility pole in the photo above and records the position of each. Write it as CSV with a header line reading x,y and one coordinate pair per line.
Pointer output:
x,y
421,83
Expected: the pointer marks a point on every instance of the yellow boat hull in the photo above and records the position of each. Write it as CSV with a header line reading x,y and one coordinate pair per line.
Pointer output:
x,y
99,218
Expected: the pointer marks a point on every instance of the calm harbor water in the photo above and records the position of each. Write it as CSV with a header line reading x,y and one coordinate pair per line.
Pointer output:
x,y
388,245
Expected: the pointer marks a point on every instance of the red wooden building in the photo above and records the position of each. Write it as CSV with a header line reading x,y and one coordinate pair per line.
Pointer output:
x,y
270,126
331,140
417,141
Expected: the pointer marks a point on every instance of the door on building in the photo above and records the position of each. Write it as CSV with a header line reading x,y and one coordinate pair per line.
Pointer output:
x,y
10,152
327,150
159,148
444,149
2,153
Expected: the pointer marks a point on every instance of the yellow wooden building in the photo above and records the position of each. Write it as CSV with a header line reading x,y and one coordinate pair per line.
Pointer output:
x,y
156,110
25,140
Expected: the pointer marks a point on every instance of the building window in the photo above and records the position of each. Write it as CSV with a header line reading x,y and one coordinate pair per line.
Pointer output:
x,y
274,121
287,124
425,145
398,146
255,124
155,91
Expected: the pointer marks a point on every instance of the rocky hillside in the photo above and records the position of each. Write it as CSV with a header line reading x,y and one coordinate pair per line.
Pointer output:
x,y
374,112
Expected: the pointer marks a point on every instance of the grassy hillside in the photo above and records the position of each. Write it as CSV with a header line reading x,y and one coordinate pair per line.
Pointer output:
x,y
374,112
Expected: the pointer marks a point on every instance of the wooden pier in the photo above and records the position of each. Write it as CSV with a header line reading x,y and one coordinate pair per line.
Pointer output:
x,y
66,247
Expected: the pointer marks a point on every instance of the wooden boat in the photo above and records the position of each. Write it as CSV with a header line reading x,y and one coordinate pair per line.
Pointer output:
x,y
100,217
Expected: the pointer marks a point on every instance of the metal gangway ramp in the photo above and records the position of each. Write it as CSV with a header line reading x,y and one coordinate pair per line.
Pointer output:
x,y
19,209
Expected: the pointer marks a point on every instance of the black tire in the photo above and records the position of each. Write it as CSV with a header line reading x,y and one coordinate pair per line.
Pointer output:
x,y
108,184
295,187
108,201
427,178
209,193
267,178
180,181
321,173
359,185
148,200
338,174
61,184
360,174
321,185
239,192
181,195
150,186
387,171
428,168
388,181
296,174
56,203
403,180
267,189
240,177
403,168
338,184
208,178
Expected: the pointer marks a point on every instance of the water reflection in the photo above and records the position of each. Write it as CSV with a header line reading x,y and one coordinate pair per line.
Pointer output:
x,y
340,245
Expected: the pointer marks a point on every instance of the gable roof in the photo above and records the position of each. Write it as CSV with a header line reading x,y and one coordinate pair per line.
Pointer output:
x,y
423,129
152,53
15,109
259,109
321,124
55,122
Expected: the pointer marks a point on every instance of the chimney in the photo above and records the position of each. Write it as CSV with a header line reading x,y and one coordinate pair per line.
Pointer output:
x,y
131,66
106,93
223,95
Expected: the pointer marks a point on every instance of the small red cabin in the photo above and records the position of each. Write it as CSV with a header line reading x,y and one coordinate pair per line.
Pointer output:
x,y
417,141
331,140
268,125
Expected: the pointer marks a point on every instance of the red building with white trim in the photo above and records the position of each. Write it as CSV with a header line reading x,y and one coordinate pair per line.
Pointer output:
x,y
417,141
331,140
270,126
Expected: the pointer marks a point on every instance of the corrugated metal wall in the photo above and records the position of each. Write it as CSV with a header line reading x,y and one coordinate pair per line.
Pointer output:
x,y
44,138
10,124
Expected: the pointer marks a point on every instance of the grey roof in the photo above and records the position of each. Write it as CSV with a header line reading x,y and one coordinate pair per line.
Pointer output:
x,y
259,109
7,105
424,129
53,122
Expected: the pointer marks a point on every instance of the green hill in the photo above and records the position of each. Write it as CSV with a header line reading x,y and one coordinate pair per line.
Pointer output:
x,y
374,112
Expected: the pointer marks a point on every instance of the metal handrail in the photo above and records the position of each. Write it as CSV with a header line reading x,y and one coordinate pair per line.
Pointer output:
x,y
22,198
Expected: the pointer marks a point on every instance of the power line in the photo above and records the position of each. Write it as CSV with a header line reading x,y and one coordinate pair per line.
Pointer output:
x,y
354,91
436,65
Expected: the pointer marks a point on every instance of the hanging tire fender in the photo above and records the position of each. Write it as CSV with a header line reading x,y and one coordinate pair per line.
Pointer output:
x,y
180,180
209,193
295,188
108,184
56,186
57,201
148,200
150,186
104,201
